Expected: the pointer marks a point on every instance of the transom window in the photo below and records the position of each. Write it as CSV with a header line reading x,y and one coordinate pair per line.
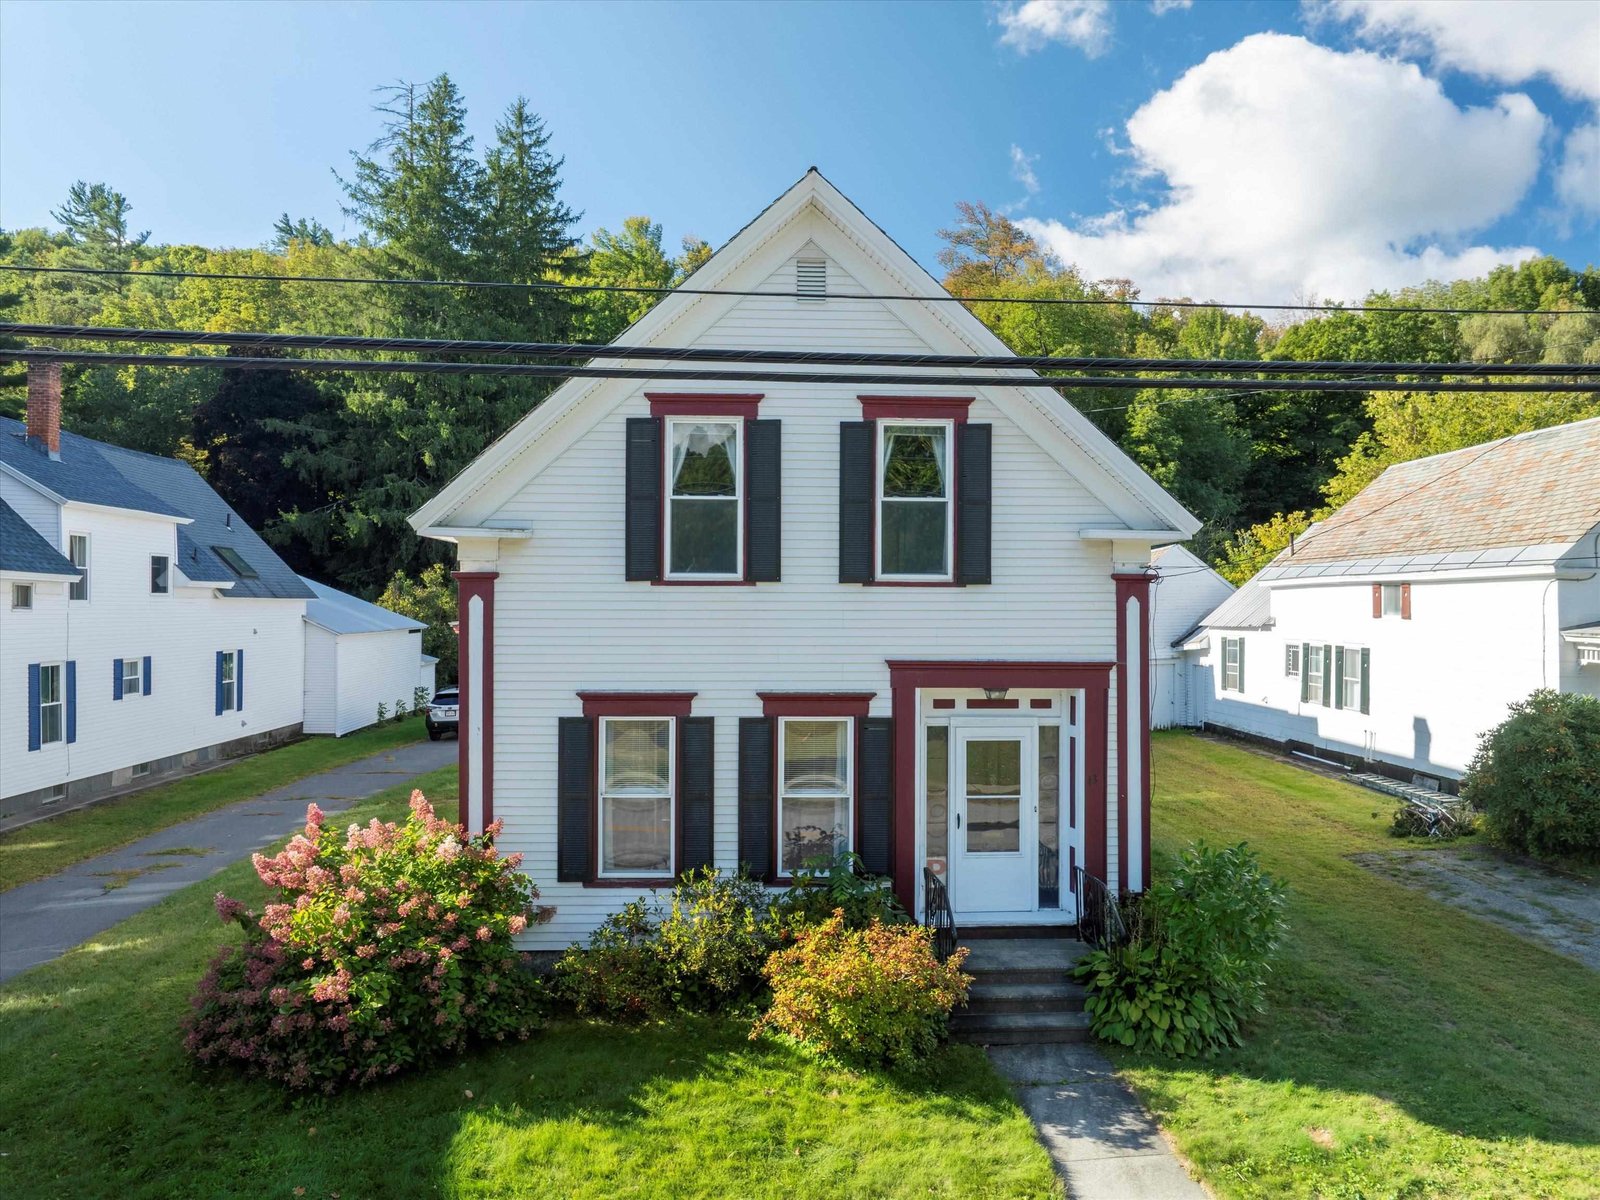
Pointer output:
x,y
1391,599
1291,660
915,529
131,679
160,569
636,795
814,789
230,677
52,705
78,552
1314,673
705,471
22,595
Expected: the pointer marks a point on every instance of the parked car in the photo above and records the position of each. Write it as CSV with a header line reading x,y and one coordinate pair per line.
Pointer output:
x,y
443,713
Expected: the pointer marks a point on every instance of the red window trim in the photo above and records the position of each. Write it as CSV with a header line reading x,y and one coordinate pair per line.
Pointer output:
x,y
637,704
915,408
633,704
705,404
851,706
815,704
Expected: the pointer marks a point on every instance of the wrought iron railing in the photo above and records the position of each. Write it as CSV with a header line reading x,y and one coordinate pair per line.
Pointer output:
x,y
938,915
1100,920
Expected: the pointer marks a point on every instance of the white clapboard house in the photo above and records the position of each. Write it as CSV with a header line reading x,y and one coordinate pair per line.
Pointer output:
x,y
1397,632
144,628
756,625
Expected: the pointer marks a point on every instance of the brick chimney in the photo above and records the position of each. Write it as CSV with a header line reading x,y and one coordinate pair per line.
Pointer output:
x,y
44,407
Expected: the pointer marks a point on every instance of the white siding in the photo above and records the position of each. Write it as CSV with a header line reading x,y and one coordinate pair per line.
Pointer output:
x,y
37,510
374,669
322,680
566,621
1185,590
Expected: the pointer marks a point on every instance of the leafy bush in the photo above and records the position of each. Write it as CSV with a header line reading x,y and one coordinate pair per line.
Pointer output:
x,y
877,995
1536,777
825,886
701,951
386,948
1195,967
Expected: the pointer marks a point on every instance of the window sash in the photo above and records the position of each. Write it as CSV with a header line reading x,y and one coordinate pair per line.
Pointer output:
x,y
160,572
228,684
22,595
791,798
1314,675
883,499
78,553
1230,665
609,795
131,676
1352,678
674,498
52,705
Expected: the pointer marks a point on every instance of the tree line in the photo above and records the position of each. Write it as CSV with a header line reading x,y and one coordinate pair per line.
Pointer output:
x,y
328,467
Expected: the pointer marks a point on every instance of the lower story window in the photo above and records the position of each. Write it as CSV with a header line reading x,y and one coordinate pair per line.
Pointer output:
x,y
1233,664
229,682
52,705
130,676
1313,676
815,765
1291,660
1351,677
636,792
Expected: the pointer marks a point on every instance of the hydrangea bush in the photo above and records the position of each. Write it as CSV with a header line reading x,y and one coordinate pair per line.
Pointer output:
x,y
387,947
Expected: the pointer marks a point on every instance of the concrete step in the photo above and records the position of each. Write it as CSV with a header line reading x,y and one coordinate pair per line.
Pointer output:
x,y
1023,960
1011,1029
1057,995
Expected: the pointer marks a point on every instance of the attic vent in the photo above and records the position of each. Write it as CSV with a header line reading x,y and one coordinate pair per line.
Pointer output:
x,y
811,278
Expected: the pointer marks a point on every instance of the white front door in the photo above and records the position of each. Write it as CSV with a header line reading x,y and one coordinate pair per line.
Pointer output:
x,y
994,818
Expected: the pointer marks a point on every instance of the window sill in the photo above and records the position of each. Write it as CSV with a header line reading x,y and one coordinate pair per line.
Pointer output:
x,y
914,583
702,583
635,882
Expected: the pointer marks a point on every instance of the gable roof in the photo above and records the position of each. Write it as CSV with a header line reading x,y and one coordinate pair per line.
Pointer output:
x,y
1060,429
93,472
1524,498
340,612
24,550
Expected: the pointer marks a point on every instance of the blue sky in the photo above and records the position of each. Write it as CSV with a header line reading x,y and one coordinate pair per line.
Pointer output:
x,y
1236,151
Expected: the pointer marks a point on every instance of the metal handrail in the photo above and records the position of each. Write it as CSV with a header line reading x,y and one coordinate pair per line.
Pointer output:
x,y
1100,920
938,915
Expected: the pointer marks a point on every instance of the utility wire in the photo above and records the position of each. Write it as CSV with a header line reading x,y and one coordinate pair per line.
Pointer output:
x,y
545,285
866,380
576,350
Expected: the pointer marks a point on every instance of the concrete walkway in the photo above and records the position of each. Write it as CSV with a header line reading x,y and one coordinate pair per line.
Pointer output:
x,y
1104,1144
44,919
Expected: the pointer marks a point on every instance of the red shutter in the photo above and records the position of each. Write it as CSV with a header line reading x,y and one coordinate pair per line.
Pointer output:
x,y
1377,600
1405,602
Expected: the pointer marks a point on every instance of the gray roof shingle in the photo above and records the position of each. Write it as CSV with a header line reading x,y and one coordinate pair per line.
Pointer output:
x,y
24,550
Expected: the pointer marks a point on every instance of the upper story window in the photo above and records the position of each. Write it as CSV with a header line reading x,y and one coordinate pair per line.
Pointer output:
x,y
636,796
160,574
1391,600
704,532
814,789
916,532
78,552
22,595
132,681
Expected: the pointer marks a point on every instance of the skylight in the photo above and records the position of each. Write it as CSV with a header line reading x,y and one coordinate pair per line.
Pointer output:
x,y
236,564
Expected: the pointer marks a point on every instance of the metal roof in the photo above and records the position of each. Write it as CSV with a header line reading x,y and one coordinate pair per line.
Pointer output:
x,y
340,612
1248,608
24,550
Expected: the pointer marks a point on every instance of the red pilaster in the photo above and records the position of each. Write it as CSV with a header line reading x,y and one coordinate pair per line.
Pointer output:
x,y
1133,587
479,585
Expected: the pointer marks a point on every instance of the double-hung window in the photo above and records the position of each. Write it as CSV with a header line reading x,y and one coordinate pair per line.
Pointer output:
x,y
636,796
915,525
705,474
814,791
1350,677
52,705
160,571
132,680
1233,664
228,681
78,552
1312,685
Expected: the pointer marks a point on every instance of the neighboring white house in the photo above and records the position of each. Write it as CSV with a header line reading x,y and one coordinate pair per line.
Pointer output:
x,y
1185,590
1398,631
749,626
359,656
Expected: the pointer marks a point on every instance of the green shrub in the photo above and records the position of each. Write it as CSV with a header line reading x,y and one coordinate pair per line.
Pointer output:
x,y
700,951
874,996
825,886
1536,777
1195,967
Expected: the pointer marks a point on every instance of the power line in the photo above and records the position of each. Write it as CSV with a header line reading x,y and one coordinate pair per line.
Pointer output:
x,y
865,380
575,350
545,285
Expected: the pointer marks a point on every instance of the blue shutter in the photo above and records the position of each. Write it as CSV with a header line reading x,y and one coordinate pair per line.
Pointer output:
x,y
146,674
238,680
116,679
33,706
72,701
219,683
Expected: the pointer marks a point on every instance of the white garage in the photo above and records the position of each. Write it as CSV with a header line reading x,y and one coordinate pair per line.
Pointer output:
x,y
359,656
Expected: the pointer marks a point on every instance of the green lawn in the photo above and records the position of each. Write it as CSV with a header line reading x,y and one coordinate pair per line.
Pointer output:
x,y
1410,1049
45,847
98,1101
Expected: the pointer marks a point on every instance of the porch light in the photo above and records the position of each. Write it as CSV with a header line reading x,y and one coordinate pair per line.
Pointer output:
x,y
995,693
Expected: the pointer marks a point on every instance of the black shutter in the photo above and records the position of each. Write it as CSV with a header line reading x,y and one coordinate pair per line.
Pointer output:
x,y
756,799
875,793
974,473
763,552
696,792
575,801
643,487
855,501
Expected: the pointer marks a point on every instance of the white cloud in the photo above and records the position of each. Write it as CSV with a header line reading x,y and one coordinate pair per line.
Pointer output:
x,y
1578,176
1294,170
1163,7
1035,24
1022,170
1503,41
